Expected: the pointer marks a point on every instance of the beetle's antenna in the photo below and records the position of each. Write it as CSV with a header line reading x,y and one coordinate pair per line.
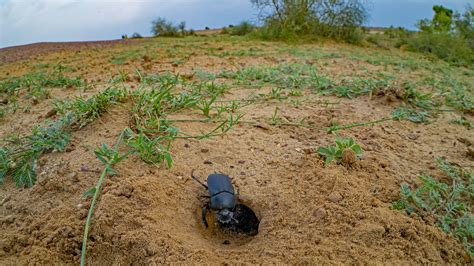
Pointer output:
x,y
197,180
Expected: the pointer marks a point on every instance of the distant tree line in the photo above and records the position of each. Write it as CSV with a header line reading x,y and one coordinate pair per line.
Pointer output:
x,y
162,27
448,35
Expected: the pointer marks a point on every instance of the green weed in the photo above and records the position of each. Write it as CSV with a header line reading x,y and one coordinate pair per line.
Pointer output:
x,y
335,152
449,201
463,122
411,114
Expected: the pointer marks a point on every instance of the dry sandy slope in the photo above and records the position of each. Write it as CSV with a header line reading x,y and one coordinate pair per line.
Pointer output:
x,y
309,213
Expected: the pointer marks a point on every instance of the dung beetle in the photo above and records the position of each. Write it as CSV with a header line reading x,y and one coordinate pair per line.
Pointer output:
x,y
222,198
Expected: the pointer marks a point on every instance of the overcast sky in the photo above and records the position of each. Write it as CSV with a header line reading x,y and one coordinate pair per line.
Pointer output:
x,y
29,21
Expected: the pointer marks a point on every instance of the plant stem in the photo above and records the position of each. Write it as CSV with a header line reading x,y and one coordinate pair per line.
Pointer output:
x,y
89,215
330,129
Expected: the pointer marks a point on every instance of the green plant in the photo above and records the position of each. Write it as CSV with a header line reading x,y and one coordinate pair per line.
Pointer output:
x,y
243,28
85,111
205,105
449,201
19,157
162,27
463,122
411,114
20,154
150,150
108,157
291,20
445,46
337,151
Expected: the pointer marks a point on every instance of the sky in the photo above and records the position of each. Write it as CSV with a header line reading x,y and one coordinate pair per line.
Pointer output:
x,y
30,21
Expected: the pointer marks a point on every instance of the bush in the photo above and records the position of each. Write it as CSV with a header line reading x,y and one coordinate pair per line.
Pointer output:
x,y
453,49
136,35
243,28
162,27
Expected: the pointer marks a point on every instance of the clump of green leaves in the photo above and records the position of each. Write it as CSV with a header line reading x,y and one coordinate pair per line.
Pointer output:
x,y
20,154
33,82
335,152
150,150
411,114
85,111
353,88
463,122
448,200
19,157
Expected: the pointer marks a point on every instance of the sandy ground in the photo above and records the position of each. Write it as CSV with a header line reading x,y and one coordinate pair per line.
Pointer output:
x,y
310,213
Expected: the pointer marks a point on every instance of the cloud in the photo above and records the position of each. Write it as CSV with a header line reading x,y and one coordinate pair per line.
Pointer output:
x,y
67,20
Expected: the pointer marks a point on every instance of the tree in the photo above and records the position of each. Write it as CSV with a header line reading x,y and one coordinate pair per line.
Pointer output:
x,y
182,27
162,27
332,18
464,24
442,20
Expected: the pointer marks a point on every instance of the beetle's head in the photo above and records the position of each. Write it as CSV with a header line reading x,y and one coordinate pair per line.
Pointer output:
x,y
226,216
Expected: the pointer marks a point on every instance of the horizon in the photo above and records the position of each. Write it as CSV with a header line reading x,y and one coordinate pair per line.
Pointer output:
x,y
27,22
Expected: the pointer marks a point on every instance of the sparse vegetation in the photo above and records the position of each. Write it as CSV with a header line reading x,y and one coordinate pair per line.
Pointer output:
x,y
447,200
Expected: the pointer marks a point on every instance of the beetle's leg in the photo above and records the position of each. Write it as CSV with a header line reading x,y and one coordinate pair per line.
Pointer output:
x,y
197,180
204,212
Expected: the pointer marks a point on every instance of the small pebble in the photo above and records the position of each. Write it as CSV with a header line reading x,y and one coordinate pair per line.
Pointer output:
x,y
335,197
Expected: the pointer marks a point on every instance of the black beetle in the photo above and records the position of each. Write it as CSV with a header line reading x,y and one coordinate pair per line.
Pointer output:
x,y
222,198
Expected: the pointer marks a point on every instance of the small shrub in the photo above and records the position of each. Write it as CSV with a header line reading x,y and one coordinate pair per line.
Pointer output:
x,y
243,28
345,150
136,35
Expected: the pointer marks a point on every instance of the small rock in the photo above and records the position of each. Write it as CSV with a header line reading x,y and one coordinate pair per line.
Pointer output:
x,y
298,149
5,200
72,175
412,136
80,205
241,161
207,162
319,214
186,145
204,150
84,168
335,197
